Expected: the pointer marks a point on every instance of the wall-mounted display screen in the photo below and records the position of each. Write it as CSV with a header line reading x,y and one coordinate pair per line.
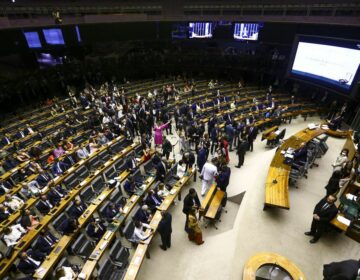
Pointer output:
x,y
200,29
53,36
331,63
32,39
246,31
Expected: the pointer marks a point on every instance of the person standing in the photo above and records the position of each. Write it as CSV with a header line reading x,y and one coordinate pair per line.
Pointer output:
x,y
201,158
165,230
323,213
158,138
191,201
345,270
241,151
194,233
208,173
252,132
166,147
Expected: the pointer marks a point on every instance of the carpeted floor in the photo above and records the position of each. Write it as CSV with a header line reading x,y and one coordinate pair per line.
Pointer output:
x,y
246,229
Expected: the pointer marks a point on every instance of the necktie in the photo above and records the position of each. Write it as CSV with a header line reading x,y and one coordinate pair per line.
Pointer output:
x,y
325,206
48,240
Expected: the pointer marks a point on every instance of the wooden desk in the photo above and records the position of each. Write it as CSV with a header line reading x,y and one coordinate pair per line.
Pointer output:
x,y
267,132
215,204
260,259
276,187
206,201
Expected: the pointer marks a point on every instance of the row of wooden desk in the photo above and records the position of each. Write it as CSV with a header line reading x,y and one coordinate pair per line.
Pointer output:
x,y
277,181
27,239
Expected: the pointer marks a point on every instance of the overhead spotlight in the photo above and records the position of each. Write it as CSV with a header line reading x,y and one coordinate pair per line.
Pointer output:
x,y
13,1
57,17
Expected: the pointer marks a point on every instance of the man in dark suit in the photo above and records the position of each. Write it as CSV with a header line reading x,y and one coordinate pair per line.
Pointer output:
x,y
44,205
165,230
28,264
241,151
46,241
153,200
111,211
43,179
4,213
323,213
96,229
131,163
201,158
5,140
20,134
191,201
143,215
58,167
77,209
55,194
8,163
252,132
345,270
69,226
160,171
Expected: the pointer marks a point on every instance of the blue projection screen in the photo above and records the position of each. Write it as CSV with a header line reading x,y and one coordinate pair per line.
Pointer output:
x,y
53,36
329,64
246,31
32,39
200,29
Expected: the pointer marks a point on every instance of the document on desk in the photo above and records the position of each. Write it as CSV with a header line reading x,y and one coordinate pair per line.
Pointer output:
x,y
40,271
343,220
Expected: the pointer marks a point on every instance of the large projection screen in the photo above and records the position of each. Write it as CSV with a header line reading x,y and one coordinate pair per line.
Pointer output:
x,y
330,63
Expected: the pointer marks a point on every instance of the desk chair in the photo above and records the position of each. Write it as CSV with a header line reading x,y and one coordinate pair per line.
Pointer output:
x,y
82,247
119,254
110,271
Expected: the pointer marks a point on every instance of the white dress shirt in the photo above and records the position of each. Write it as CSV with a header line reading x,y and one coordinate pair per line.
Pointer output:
x,y
209,171
139,234
13,237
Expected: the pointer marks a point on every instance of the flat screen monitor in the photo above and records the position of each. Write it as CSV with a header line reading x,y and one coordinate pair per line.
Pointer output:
x,y
246,31
53,36
200,30
32,39
333,63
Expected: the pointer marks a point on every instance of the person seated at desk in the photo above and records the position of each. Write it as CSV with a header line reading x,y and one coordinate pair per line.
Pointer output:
x,y
180,169
112,210
28,221
162,191
4,213
44,205
344,270
43,179
13,202
335,123
34,168
22,156
58,151
69,226
46,241
13,234
20,134
28,263
65,273
323,213
59,167
130,186
4,187
96,229
143,215
139,233
5,140
300,155
131,163
82,153
29,190
77,209
341,160
69,160
68,146
55,194
333,185
9,163
153,200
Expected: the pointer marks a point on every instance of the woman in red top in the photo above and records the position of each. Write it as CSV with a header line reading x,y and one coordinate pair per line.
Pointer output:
x,y
225,146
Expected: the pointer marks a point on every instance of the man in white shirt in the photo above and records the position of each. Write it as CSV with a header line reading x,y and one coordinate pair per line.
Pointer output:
x,y
13,234
139,234
82,153
208,173
13,202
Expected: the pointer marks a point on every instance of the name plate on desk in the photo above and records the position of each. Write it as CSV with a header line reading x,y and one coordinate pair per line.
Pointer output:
x,y
83,183
343,220
137,260
70,169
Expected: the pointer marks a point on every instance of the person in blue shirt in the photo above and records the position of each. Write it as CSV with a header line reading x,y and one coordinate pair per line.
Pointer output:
x,y
201,158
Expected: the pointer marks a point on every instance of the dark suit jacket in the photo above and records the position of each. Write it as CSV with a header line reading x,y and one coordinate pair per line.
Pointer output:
x,y
3,216
77,211
189,203
325,215
160,171
27,267
142,216
150,201
43,245
129,164
90,230
66,227
110,213
164,227
345,270
54,197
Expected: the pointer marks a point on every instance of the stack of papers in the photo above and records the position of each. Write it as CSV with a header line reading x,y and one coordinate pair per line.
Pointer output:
x,y
343,220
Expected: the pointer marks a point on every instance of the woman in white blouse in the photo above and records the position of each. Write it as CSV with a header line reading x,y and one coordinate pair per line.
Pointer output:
x,y
340,160
13,234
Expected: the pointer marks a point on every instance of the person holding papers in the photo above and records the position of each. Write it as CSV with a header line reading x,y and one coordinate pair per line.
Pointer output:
x,y
139,234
